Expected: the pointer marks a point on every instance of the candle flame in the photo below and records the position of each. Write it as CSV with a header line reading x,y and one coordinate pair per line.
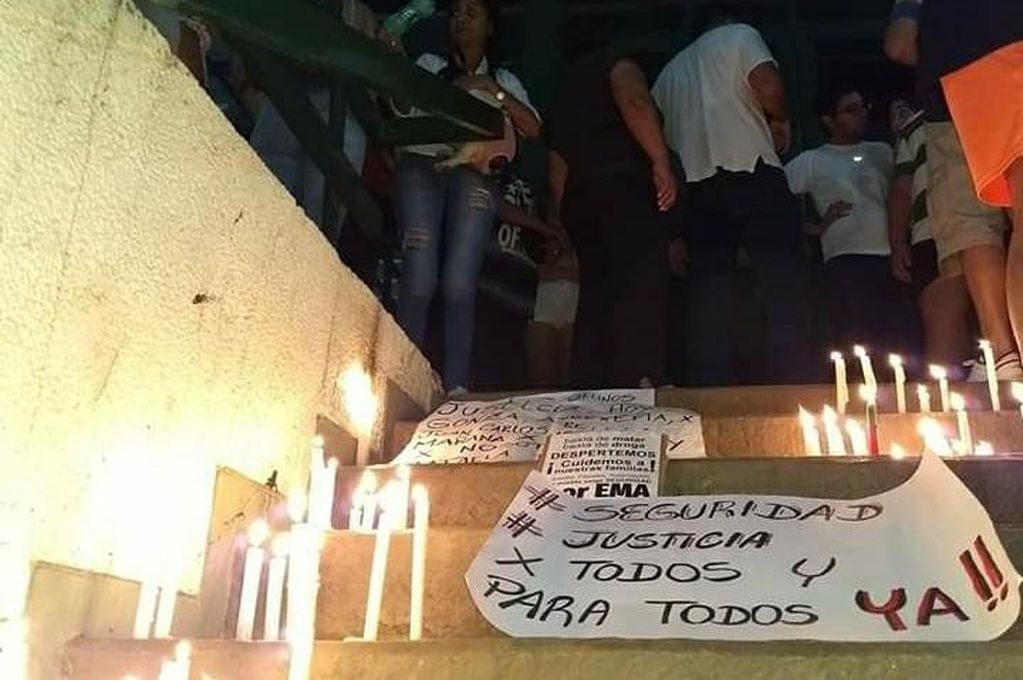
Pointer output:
x,y
938,372
836,356
957,402
895,361
360,402
183,651
281,545
897,452
368,482
296,506
929,427
860,351
984,450
258,533
805,417
1017,391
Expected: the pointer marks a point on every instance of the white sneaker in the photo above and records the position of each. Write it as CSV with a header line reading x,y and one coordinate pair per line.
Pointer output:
x,y
1007,369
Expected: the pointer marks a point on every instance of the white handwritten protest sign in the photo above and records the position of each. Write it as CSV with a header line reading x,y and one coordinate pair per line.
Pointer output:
x,y
604,464
919,563
514,429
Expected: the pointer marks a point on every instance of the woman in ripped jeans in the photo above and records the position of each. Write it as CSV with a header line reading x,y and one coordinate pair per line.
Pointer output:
x,y
446,201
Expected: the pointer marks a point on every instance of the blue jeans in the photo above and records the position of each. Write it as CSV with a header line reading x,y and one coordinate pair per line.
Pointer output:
x,y
455,209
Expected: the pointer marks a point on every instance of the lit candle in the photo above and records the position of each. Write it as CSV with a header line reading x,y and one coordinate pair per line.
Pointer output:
x,y
146,609
360,500
251,577
836,444
924,396
866,366
869,396
992,377
420,526
275,588
897,452
900,381
963,419
841,382
303,586
941,375
984,450
325,513
369,512
1017,394
857,437
378,570
811,437
180,667
356,388
934,438
317,479
402,490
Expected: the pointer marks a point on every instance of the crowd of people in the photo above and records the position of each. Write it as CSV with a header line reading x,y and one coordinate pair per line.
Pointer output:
x,y
678,175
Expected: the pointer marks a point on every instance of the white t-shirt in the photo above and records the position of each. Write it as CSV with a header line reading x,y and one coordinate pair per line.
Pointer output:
x,y
508,81
711,115
858,174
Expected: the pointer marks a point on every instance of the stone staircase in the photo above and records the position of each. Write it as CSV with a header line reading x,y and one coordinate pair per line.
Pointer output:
x,y
753,445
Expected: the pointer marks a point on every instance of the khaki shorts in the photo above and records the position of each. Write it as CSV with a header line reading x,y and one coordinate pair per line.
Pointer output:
x,y
958,219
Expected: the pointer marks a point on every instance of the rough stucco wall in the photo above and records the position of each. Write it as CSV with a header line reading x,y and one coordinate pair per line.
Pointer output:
x,y
123,196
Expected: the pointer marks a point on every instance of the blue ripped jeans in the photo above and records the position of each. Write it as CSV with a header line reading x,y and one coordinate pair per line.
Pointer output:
x,y
446,217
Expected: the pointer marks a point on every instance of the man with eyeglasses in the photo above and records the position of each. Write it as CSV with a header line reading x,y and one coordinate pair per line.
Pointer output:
x,y
847,180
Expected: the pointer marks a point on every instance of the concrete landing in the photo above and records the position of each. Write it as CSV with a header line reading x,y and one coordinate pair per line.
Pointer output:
x,y
504,659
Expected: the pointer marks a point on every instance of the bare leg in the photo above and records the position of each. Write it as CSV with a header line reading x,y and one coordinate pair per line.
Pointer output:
x,y
1014,280
985,270
945,309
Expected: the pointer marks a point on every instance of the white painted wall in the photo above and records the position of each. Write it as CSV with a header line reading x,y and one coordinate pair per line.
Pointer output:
x,y
123,195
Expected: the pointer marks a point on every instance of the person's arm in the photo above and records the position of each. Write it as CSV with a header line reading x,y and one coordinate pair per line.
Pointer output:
x,y
769,89
557,176
632,97
900,204
900,38
522,115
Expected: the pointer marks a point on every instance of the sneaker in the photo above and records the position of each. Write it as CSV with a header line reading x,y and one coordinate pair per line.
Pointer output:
x,y
975,371
1007,369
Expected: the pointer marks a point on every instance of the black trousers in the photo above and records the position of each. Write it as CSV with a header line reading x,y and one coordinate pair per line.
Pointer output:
x,y
867,306
621,241
755,210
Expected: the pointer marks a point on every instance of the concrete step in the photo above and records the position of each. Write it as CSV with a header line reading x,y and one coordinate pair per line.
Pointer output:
x,y
474,496
507,659
448,610
780,436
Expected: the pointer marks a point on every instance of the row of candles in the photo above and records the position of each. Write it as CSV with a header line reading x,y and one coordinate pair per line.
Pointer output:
x,y
157,598
938,373
292,562
863,440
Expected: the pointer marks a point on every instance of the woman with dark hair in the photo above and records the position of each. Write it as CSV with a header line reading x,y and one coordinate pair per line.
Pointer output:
x,y
446,204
